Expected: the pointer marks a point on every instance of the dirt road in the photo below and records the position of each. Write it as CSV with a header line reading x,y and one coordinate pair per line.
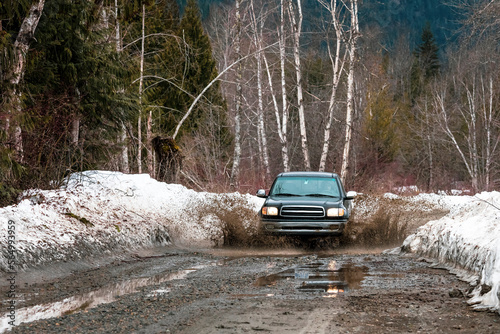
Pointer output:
x,y
281,290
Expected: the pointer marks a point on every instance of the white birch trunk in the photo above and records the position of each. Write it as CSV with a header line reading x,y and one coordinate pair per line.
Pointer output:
x,y
337,67
139,120
262,129
297,29
124,144
21,47
75,130
430,140
281,129
125,168
439,99
488,117
284,120
235,172
257,37
350,88
472,135
149,148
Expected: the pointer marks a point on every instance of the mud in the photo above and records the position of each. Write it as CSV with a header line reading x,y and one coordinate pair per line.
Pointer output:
x,y
228,290
255,283
376,222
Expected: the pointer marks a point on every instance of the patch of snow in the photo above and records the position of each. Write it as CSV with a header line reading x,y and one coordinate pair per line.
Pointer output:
x,y
101,212
467,241
391,196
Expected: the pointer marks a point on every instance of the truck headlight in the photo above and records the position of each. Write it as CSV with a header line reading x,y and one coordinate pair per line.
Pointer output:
x,y
270,211
335,212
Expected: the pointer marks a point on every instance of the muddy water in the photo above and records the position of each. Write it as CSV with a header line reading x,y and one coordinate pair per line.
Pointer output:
x,y
105,295
286,290
323,277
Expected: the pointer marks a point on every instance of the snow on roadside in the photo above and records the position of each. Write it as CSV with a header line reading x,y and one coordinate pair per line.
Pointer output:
x,y
467,241
100,212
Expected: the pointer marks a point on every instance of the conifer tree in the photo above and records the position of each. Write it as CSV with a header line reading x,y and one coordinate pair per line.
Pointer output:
x,y
191,68
426,63
73,78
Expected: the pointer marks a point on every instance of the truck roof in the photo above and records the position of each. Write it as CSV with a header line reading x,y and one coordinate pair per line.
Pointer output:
x,y
309,174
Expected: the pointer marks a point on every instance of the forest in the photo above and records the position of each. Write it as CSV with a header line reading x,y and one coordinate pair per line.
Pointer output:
x,y
223,95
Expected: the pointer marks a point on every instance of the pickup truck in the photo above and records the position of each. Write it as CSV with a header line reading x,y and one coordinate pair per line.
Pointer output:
x,y
306,203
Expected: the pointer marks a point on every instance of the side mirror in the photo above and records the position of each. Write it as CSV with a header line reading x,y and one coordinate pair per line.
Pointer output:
x,y
261,193
350,195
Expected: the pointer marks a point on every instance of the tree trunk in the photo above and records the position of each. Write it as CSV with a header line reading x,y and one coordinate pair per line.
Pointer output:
x,y
141,79
284,122
149,149
430,140
168,157
123,139
75,131
125,168
350,88
257,37
296,28
21,47
337,67
235,172
439,99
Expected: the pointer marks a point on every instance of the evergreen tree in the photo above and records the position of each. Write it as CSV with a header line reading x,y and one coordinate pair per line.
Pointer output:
x,y
380,128
188,66
73,78
191,68
427,54
426,63
12,15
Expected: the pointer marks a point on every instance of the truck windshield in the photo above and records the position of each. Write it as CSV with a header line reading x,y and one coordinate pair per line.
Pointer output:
x,y
305,186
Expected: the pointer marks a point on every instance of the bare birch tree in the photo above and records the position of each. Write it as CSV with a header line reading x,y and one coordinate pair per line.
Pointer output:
x,y
474,139
257,39
337,60
141,79
15,74
235,172
282,128
123,131
444,118
297,30
352,43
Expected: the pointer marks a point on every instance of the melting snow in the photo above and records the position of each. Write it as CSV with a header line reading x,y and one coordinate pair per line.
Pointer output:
x,y
467,241
101,212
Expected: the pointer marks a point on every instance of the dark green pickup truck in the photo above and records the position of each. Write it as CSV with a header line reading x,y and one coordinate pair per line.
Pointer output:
x,y
306,203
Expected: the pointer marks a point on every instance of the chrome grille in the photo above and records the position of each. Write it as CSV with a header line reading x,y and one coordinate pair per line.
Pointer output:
x,y
300,211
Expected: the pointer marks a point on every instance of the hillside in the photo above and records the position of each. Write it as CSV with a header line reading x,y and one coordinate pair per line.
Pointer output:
x,y
392,17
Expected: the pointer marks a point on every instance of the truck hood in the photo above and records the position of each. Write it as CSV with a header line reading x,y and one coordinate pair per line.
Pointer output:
x,y
303,200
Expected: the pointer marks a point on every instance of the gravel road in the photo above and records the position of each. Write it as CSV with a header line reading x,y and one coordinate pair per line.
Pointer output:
x,y
246,290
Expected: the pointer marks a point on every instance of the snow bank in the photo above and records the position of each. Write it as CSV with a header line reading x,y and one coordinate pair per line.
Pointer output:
x,y
467,241
102,212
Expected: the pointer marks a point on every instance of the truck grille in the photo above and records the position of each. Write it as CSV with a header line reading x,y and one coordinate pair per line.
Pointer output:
x,y
303,211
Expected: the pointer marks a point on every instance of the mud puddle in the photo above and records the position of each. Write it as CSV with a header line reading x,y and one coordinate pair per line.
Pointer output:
x,y
105,295
322,277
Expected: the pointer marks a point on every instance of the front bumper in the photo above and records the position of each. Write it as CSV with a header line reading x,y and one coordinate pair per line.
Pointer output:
x,y
311,228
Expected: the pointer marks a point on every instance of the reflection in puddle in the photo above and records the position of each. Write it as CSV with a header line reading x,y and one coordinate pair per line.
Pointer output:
x,y
89,300
320,277
250,295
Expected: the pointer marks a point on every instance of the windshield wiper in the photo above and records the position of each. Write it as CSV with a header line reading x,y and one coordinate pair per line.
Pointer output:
x,y
321,195
285,194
